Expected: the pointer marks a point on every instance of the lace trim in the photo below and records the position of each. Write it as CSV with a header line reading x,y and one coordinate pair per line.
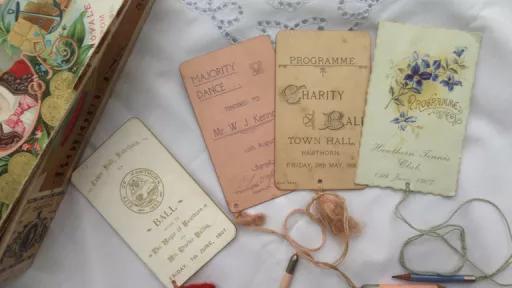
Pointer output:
x,y
225,15
290,6
356,10
271,27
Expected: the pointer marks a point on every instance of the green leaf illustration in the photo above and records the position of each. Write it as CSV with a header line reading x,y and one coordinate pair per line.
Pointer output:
x,y
398,101
43,140
83,56
5,25
77,30
453,70
4,162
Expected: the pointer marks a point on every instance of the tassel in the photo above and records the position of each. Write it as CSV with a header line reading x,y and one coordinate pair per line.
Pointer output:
x,y
202,285
205,285
250,220
332,211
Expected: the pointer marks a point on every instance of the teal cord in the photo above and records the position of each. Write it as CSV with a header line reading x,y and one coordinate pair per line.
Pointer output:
x,y
442,230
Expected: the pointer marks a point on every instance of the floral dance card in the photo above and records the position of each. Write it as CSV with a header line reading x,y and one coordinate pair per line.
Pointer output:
x,y
418,104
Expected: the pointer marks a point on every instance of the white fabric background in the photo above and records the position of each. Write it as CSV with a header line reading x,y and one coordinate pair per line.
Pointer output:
x,y
82,250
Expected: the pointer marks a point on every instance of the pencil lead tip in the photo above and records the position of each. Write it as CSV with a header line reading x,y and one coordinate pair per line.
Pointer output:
x,y
401,277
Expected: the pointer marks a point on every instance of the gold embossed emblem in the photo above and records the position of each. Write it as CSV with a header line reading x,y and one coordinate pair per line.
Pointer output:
x,y
19,168
55,106
142,191
9,187
21,165
53,110
62,83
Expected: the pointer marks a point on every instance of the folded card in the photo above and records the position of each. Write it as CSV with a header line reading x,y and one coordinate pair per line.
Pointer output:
x,y
232,92
322,78
418,103
151,201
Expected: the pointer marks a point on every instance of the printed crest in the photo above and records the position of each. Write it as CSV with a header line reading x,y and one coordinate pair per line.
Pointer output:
x,y
142,191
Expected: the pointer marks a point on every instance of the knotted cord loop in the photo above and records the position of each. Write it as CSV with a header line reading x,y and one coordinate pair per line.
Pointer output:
x,y
327,210
442,230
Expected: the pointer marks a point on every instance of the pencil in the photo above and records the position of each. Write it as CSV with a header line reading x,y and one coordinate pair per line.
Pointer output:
x,y
436,278
404,286
290,270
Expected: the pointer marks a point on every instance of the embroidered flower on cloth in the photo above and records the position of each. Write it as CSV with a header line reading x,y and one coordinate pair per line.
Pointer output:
x,y
228,15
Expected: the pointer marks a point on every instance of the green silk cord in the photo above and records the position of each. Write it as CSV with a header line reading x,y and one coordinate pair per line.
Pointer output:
x,y
442,230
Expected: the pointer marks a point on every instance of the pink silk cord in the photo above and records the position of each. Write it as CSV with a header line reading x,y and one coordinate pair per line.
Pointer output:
x,y
327,210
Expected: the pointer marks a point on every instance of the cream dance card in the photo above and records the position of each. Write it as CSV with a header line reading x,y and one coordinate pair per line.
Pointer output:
x,y
154,205
322,80
418,104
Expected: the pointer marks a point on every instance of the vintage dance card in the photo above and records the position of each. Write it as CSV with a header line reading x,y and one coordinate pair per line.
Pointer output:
x,y
322,80
151,201
418,103
232,92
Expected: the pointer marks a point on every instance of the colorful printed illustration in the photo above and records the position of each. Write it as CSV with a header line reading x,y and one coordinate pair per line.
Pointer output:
x,y
44,46
418,105
418,83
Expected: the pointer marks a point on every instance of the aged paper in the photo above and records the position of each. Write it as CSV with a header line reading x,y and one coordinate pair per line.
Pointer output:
x,y
322,78
151,201
417,110
232,92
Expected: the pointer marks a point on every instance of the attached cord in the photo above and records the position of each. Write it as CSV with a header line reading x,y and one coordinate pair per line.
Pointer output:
x,y
442,230
329,211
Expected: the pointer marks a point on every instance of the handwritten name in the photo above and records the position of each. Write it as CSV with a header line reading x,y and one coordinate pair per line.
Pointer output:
x,y
401,152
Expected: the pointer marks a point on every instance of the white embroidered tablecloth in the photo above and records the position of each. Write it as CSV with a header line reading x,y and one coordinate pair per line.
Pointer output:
x,y
81,249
